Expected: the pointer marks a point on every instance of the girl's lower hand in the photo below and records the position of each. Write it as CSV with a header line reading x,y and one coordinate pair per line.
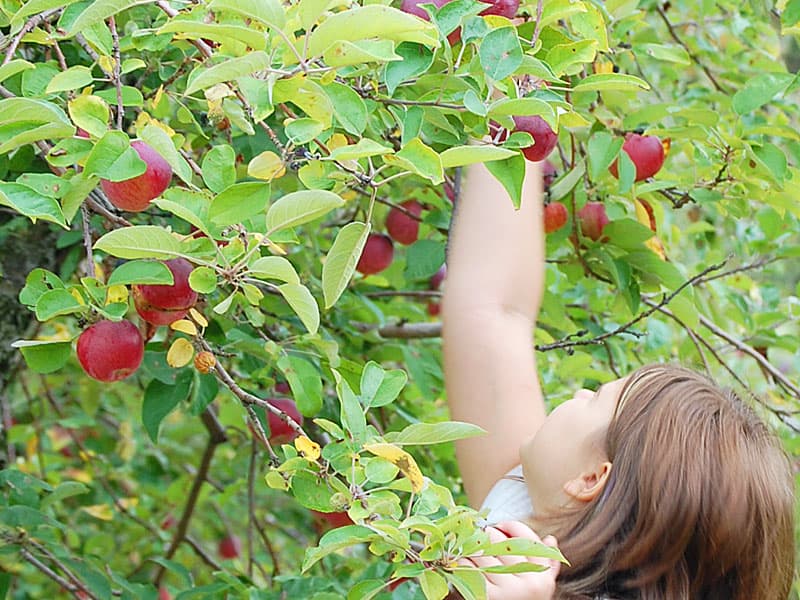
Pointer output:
x,y
539,585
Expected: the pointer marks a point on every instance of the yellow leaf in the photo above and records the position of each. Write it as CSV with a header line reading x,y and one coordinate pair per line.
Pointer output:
x,y
116,293
78,475
603,66
106,63
78,296
159,94
126,444
266,166
184,326
31,446
338,140
307,448
646,216
100,511
275,248
180,353
400,459
198,317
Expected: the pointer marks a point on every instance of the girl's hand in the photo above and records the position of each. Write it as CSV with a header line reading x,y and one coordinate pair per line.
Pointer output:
x,y
518,586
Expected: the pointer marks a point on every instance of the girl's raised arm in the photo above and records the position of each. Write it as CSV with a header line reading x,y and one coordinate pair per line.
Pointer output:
x,y
495,269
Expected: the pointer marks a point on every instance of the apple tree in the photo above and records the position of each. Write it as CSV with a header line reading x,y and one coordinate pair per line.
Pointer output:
x,y
224,228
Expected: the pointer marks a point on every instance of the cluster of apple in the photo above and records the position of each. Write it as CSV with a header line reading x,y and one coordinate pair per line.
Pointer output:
x,y
113,350
647,155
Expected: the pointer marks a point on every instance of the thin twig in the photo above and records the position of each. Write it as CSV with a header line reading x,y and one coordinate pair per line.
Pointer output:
x,y
117,72
87,241
26,29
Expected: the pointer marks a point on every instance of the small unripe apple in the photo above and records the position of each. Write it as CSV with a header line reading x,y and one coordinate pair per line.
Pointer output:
x,y
401,227
136,193
229,547
110,350
377,255
503,8
544,138
279,430
646,153
548,174
555,216
593,220
164,304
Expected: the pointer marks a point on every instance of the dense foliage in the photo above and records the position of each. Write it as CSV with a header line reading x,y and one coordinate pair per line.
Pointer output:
x,y
292,130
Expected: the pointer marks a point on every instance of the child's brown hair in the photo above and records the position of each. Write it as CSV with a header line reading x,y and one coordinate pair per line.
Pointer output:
x,y
699,504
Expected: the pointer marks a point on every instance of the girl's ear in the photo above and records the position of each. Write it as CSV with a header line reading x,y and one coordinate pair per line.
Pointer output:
x,y
589,484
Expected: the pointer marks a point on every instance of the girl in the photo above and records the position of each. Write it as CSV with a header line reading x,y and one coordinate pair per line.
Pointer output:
x,y
659,486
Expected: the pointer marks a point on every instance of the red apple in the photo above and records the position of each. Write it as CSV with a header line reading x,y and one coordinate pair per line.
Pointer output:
x,y
136,193
163,594
168,522
282,387
438,278
645,151
544,138
400,226
413,7
593,220
164,304
110,350
333,519
229,547
555,217
503,8
279,430
450,192
377,255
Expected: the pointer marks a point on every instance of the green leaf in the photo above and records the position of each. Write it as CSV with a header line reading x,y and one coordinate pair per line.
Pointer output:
x,y
44,356
363,149
379,387
627,233
148,272
230,70
203,280
130,96
603,149
416,60
523,547
423,259
72,79
238,203
420,159
302,303
301,131
99,11
90,113
268,12
352,414
312,491
773,158
65,489
33,7
160,141
665,52
511,174
56,302
371,22
759,90
469,582
459,156
274,267
114,159
345,54
219,168
435,433
565,184
366,589
24,121
218,32
305,382
300,207
348,107
160,399
140,241
335,540
500,53
527,107
340,264
13,67
32,204
434,586
602,82
562,58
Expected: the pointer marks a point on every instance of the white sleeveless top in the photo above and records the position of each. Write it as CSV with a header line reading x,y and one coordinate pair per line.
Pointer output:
x,y
508,499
